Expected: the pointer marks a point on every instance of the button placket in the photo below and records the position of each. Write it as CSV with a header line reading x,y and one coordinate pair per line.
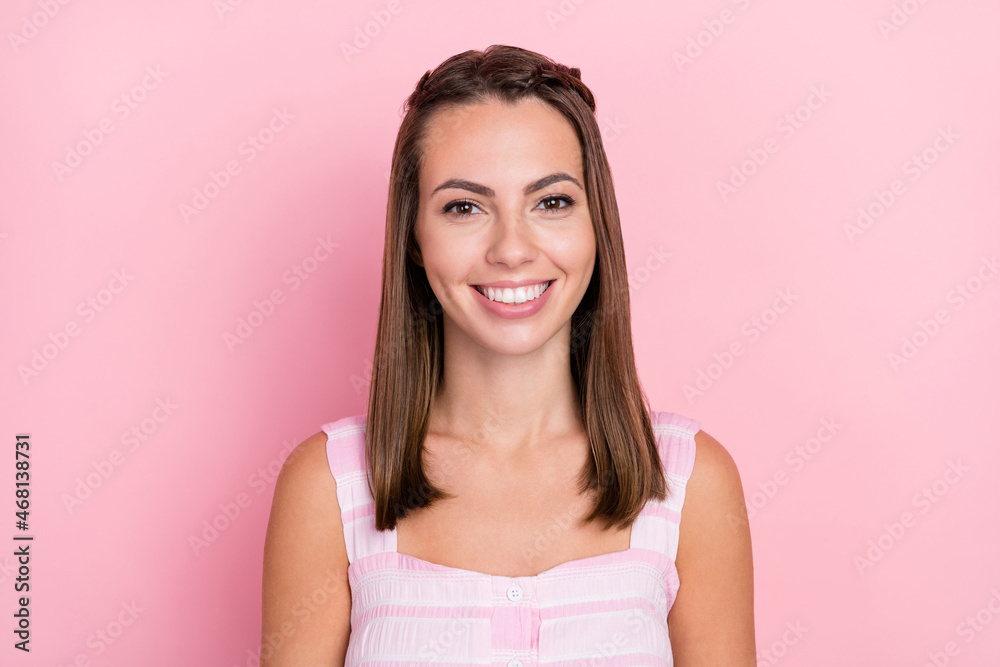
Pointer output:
x,y
514,621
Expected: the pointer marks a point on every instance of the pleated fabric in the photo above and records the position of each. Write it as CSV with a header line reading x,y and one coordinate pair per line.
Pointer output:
x,y
609,610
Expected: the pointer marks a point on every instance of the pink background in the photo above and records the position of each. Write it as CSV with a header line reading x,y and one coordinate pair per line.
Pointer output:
x,y
835,551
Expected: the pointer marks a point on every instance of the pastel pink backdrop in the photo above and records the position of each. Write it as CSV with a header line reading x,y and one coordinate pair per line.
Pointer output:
x,y
690,95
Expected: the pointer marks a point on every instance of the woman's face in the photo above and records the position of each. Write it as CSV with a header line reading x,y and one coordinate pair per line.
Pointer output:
x,y
502,200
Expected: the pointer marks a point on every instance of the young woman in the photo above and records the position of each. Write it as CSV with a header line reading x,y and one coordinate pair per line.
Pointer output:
x,y
508,498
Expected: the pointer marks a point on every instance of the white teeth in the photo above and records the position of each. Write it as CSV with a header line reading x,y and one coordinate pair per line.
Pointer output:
x,y
515,294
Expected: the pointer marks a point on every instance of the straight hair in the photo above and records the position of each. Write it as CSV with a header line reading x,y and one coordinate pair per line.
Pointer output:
x,y
624,465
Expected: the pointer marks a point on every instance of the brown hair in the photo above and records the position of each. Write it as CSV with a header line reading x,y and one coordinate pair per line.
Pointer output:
x,y
409,348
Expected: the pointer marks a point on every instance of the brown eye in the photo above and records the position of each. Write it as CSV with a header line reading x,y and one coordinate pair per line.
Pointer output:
x,y
463,208
557,200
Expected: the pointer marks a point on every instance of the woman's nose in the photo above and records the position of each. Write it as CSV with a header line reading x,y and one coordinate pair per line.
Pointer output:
x,y
512,238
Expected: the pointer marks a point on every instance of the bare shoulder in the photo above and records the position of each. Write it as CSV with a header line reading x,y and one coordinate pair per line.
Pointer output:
x,y
306,598
714,476
307,471
711,621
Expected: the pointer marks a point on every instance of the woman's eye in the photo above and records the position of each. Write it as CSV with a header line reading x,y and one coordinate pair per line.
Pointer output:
x,y
552,203
463,209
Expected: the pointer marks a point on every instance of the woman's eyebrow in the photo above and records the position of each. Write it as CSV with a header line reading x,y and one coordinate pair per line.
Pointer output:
x,y
545,181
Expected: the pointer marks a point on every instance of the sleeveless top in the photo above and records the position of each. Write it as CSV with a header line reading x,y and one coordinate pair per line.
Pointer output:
x,y
611,608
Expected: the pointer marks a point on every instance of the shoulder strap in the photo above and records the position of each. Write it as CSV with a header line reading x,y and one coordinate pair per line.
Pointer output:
x,y
658,527
345,450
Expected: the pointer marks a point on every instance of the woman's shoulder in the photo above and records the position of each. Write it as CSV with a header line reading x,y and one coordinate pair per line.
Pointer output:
x,y
715,469
714,558
305,550
307,469
714,489
696,455
318,459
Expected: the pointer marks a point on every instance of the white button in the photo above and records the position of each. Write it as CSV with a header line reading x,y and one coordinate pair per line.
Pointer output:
x,y
514,594
514,662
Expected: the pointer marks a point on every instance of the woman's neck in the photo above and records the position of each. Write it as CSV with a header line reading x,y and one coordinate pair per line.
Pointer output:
x,y
509,404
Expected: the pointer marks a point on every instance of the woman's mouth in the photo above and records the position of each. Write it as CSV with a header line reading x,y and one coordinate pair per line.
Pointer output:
x,y
514,295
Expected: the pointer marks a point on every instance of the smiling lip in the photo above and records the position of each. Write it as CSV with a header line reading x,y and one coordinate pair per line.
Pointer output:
x,y
514,311
514,283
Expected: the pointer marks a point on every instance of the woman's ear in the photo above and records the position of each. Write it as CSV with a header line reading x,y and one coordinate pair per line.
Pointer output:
x,y
414,253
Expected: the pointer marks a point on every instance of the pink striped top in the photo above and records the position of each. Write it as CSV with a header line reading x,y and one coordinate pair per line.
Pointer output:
x,y
610,609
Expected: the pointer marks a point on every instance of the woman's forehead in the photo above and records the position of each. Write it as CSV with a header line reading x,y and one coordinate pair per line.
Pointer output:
x,y
492,137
